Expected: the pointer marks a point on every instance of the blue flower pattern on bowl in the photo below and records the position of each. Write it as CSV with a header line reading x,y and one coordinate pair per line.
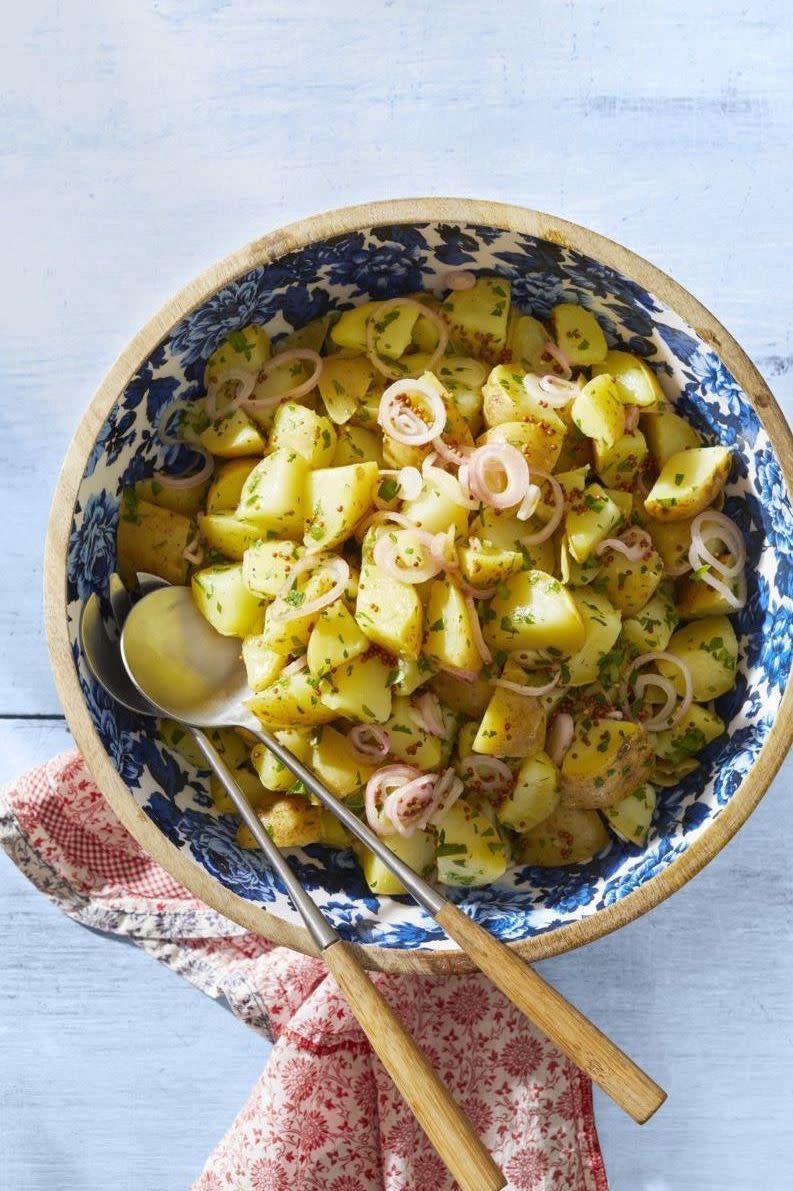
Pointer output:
x,y
382,263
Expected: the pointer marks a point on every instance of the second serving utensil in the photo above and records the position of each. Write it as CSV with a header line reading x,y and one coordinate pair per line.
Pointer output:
x,y
191,673
433,1105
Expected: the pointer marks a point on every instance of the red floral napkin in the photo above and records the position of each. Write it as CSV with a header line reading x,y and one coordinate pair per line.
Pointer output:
x,y
324,1115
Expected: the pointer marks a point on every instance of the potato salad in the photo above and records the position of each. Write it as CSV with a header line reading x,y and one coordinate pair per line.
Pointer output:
x,y
477,566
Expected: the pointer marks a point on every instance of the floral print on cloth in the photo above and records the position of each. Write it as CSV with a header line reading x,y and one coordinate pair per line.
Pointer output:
x,y
324,1115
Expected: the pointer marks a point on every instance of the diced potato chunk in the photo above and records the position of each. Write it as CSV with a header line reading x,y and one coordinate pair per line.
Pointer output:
x,y
636,382
463,378
273,774
152,539
606,761
233,436
533,611
630,819
186,501
628,583
578,334
291,702
229,535
506,399
359,690
354,444
449,635
697,727
332,833
252,788
291,635
266,566
389,612
504,531
350,330
603,625
410,743
688,483
527,340
619,465
272,496
226,488
470,850
598,412
338,765
668,434
221,596
567,836
291,822
465,698
652,626
335,639
336,499
299,429
591,518
534,797
671,539
695,598
709,648
539,442
513,725
343,385
485,565
417,850
411,675
434,509
477,318
262,664
247,349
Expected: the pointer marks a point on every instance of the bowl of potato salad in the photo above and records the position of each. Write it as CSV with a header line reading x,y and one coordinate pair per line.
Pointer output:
x,y
500,518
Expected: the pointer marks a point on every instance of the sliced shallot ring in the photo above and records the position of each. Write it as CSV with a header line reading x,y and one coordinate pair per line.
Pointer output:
x,y
409,807
456,672
281,611
428,715
476,629
413,430
265,404
487,770
294,667
542,535
392,371
560,736
561,357
645,659
387,552
246,383
632,553
448,789
455,455
550,389
370,740
390,775
522,689
660,721
458,279
528,506
509,461
452,486
168,439
728,532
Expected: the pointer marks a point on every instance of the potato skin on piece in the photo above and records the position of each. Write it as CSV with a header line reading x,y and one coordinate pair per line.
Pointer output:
x,y
688,483
567,836
607,760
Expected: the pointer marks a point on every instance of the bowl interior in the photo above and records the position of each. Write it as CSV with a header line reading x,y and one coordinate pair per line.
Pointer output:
x,y
383,262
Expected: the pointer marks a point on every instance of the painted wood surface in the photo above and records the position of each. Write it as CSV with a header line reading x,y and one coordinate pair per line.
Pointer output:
x,y
141,142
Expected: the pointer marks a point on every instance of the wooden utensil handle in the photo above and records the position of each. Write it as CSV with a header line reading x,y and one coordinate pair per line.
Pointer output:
x,y
581,1041
431,1102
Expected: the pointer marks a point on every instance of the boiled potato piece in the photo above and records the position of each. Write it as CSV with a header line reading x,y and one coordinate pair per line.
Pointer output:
x,y
539,448
292,635
603,625
273,774
484,565
435,508
668,434
578,334
389,613
252,788
567,836
152,539
290,821
465,698
689,481
478,317
527,339
392,329
343,385
630,584
272,496
291,702
504,531
506,399
335,639
417,850
332,833
359,690
311,336
186,501
226,488
697,727
532,610
350,330
598,412
449,635
635,381
709,648
463,378
671,539
262,664
470,850
695,598
296,428
233,436
576,449
652,626
336,499
606,761
338,765
229,535
513,725
591,517
630,819
623,501
411,675
356,445
410,743
465,740
620,465
266,566
576,574
534,797
223,599
247,349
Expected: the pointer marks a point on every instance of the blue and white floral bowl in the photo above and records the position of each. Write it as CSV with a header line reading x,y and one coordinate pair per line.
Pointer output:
x,y
332,262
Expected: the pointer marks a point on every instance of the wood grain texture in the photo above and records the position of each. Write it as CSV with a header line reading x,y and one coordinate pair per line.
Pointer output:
x,y
141,141
430,1101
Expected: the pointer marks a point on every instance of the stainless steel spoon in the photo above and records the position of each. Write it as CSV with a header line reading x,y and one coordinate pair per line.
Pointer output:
x,y
193,674
447,1127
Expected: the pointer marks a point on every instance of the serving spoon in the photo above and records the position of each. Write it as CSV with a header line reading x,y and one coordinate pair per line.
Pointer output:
x,y
190,672
433,1105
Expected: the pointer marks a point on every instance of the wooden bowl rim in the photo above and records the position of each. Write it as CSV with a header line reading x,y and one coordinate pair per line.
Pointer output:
x,y
263,251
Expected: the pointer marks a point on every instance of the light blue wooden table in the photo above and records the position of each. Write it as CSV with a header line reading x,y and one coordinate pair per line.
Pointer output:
x,y
141,141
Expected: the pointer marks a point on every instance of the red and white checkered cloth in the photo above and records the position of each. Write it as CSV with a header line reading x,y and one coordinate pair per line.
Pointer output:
x,y
324,1115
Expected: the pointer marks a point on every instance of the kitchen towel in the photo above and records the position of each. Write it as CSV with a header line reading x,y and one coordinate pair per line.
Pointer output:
x,y
323,1115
